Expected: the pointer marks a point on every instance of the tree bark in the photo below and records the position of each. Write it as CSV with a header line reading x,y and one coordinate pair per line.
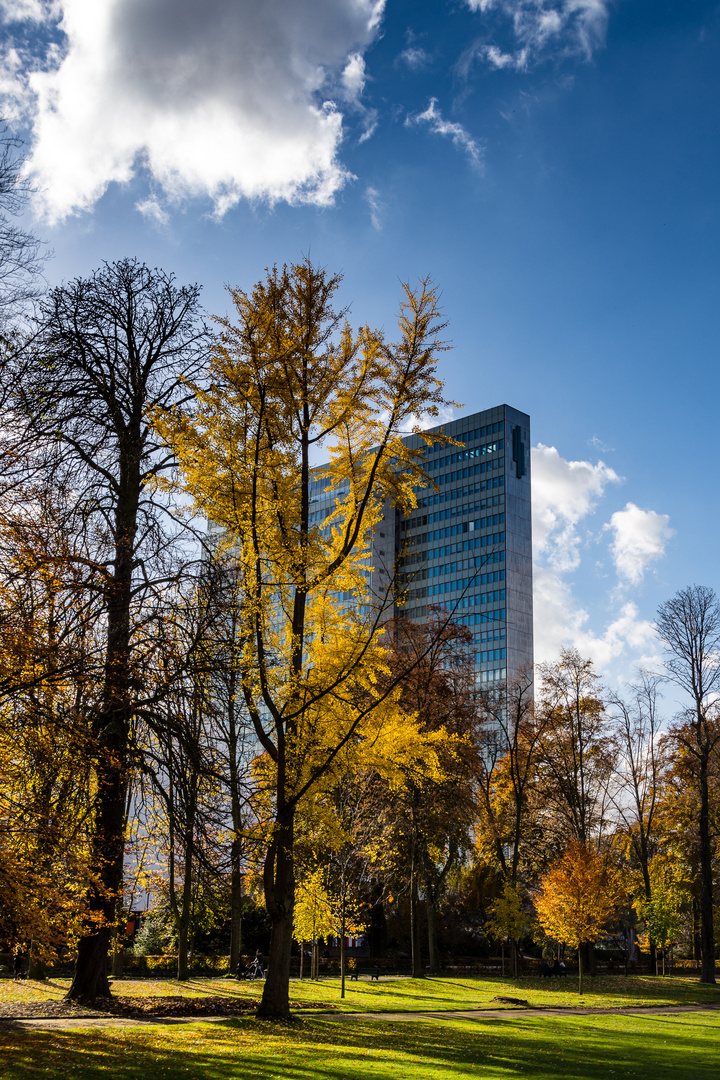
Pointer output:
x,y
183,927
433,959
279,882
707,936
236,884
415,927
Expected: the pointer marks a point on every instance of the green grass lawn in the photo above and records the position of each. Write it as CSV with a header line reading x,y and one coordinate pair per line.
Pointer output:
x,y
397,995
659,1047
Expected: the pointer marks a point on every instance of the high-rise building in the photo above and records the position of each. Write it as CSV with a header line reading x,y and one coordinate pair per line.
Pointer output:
x,y
468,545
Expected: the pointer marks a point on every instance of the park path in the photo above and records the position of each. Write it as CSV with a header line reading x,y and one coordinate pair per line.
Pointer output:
x,y
72,1023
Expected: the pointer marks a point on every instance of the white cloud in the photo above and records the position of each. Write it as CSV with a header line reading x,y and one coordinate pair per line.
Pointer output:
x,y
353,77
568,27
151,209
375,206
564,492
640,538
565,495
220,100
415,57
32,11
461,139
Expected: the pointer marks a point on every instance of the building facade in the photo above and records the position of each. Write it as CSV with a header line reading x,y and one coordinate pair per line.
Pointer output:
x,y
467,547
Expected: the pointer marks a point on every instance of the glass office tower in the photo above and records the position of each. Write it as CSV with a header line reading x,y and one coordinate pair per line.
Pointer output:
x,y
468,545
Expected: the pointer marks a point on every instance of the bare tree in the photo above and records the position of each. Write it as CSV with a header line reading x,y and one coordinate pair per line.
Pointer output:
x,y
108,350
21,256
638,768
575,753
689,626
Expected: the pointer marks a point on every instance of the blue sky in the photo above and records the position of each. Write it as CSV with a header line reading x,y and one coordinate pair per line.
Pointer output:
x,y
552,164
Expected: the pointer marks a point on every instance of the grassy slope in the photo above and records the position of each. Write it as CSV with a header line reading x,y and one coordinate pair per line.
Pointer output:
x,y
411,994
664,1047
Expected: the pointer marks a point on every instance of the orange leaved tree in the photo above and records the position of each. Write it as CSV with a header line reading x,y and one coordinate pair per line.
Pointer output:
x,y
576,898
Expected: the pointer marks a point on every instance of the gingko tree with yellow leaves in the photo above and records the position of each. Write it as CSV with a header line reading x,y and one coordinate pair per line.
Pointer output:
x,y
576,898
289,382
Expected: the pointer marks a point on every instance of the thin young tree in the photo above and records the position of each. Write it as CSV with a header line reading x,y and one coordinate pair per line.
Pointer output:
x,y
575,753
289,379
689,626
639,771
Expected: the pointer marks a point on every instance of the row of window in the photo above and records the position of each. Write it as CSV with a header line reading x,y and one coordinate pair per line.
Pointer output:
x,y
461,493
485,635
478,433
457,568
451,512
488,540
470,470
491,675
465,455
452,586
472,526
465,564
479,617
489,655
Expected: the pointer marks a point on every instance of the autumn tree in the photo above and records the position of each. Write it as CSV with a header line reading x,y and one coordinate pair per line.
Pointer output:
x,y
689,626
639,775
507,919
425,822
575,753
49,645
509,733
287,380
219,652
108,349
668,892
576,897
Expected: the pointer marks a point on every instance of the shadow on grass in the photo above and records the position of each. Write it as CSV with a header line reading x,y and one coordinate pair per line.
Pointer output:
x,y
584,1048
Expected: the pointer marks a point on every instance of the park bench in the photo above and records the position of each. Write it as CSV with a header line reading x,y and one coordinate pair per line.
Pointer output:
x,y
373,972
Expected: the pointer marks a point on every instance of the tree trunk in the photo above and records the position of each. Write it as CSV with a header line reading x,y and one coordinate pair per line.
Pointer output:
x,y
236,883
433,959
580,969
90,976
36,967
90,980
707,937
279,884
111,725
342,962
415,928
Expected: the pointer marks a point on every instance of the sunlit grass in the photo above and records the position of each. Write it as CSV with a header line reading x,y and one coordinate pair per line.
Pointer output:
x,y
659,1047
431,994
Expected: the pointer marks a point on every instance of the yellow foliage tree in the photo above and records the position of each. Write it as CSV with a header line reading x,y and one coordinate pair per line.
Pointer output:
x,y
507,920
576,897
286,382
